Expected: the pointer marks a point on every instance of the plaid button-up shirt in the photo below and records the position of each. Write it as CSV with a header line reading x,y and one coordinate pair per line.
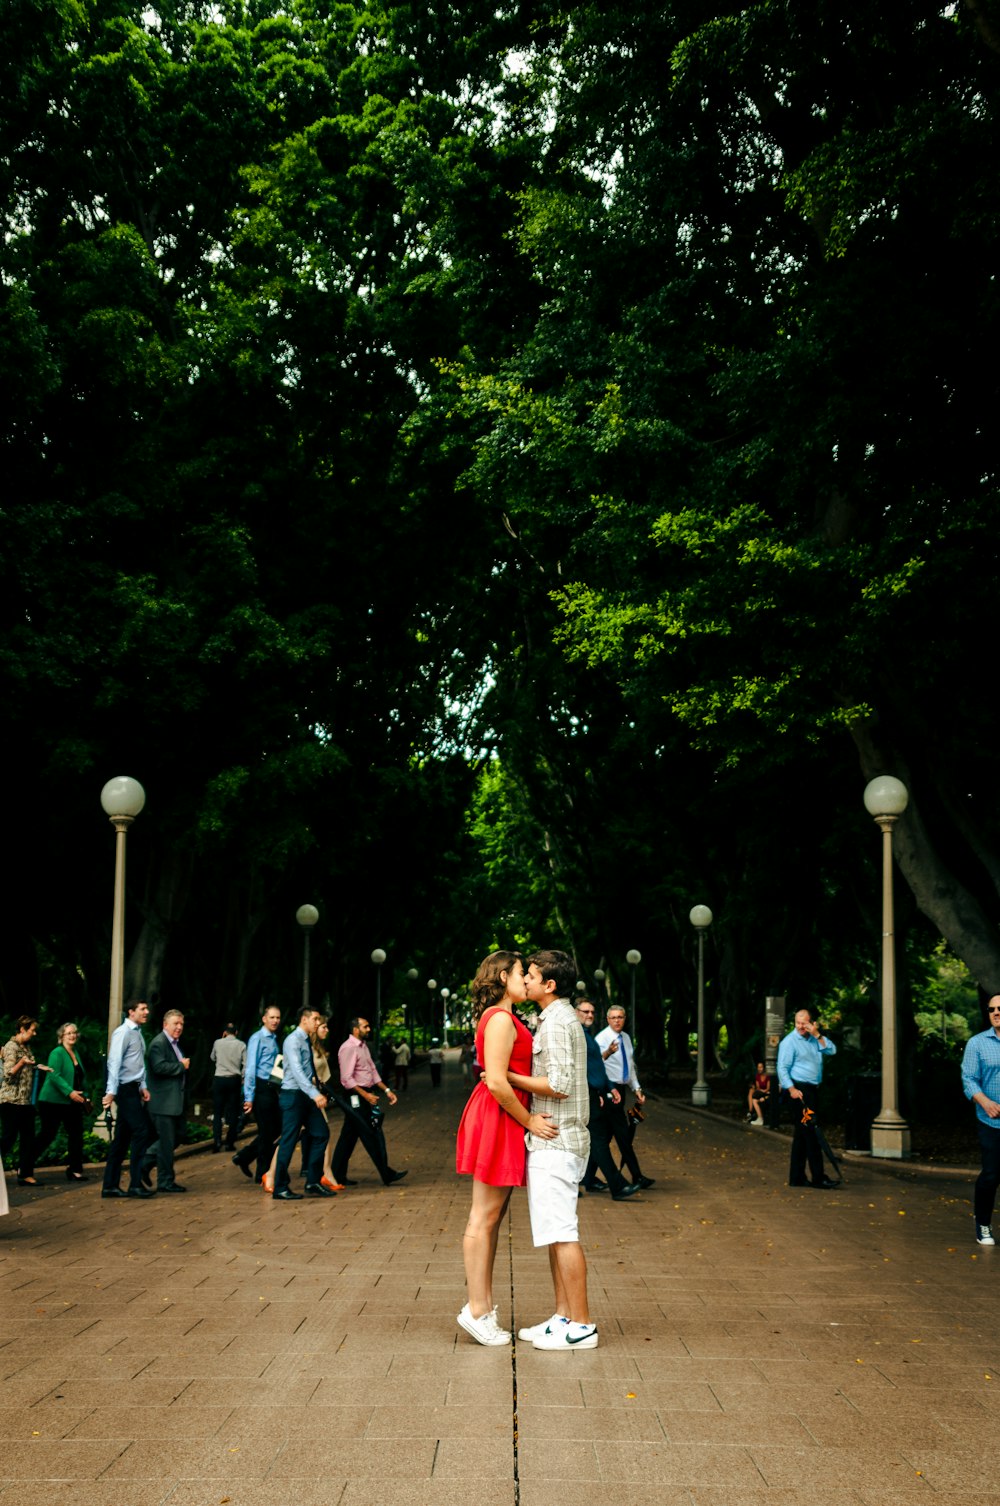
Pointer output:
x,y
559,1053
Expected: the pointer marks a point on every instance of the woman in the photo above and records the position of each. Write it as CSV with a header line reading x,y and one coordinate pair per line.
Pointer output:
x,y
760,1091
491,1133
63,1101
17,1112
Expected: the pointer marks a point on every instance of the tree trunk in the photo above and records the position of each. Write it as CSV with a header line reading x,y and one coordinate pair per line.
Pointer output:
x,y
957,914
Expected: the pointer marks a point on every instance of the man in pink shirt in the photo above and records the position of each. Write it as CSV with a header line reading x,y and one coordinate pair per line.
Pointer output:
x,y
361,1085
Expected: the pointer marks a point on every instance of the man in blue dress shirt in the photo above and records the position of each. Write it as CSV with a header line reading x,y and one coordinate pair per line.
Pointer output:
x,y
981,1084
800,1072
302,1113
260,1096
127,1088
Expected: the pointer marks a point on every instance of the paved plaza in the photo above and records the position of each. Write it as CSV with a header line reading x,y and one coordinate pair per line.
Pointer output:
x,y
760,1345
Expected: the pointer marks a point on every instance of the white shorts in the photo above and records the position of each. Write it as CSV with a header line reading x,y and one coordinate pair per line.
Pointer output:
x,y
553,1194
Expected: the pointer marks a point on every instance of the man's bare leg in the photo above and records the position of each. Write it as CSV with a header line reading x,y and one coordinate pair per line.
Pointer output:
x,y
568,1265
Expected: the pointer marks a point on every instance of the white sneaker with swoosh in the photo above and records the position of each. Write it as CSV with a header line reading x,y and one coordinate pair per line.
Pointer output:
x,y
567,1336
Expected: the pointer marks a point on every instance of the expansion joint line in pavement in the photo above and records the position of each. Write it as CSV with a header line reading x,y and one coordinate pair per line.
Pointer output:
x,y
513,1358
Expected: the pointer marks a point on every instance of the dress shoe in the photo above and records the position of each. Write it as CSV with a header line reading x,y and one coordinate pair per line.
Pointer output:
x,y
286,1195
629,1190
113,1192
141,1192
245,1169
345,1181
216,1149
801,1183
595,1186
824,1185
644,1182
395,1176
316,1189
174,1187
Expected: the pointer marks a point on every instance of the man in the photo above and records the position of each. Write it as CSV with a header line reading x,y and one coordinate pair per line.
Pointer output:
x,y
303,1112
166,1076
619,1060
230,1057
603,1094
260,1096
800,1072
401,1064
981,1084
126,1087
361,1085
556,1167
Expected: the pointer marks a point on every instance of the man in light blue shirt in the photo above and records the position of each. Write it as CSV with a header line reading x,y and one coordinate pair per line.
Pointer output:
x,y
127,1089
800,1072
260,1097
981,1085
302,1106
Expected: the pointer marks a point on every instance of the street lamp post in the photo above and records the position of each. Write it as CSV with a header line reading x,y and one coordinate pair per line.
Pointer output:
x,y
412,974
633,958
431,990
122,799
307,916
378,957
445,996
599,977
886,799
701,1093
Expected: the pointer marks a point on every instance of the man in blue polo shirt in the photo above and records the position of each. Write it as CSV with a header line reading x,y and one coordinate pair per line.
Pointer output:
x,y
981,1084
800,1072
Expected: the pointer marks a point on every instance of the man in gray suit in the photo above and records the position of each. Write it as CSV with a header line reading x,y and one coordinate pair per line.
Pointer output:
x,y
166,1078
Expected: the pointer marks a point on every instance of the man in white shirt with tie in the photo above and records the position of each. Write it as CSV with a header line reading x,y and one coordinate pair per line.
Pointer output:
x,y
619,1063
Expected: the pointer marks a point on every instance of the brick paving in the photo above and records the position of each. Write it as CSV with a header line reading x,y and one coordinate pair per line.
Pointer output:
x,y
760,1345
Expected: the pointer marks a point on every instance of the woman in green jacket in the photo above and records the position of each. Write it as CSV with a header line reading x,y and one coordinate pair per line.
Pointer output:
x,y
63,1100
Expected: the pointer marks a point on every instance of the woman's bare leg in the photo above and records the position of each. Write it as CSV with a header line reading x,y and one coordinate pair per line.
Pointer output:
x,y
479,1244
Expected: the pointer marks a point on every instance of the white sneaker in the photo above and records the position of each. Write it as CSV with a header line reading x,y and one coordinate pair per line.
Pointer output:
x,y
568,1336
529,1335
485,1330
984,1235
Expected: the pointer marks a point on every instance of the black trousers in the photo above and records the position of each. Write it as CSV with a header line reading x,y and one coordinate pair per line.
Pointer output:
x,y
989,1178
168,1129
227,1104
70,1116
601,1158
17,1124
358,1126
267,1112
133,1131
300,1116
806,1149
623,1134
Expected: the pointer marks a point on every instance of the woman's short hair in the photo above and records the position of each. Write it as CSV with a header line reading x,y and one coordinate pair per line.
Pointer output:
x,y
62,1029
25,1022
488,988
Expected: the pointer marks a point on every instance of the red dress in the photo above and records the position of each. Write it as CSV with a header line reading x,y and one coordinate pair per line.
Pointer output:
x,y
490,1142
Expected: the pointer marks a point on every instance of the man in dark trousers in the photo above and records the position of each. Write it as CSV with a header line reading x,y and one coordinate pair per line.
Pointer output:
x,y
603,1095
800,1071
619,1057
166,1076
229,1055
260,1096
128,1091
361,1084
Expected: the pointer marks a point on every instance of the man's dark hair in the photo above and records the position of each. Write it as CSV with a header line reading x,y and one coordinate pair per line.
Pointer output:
x,y
307,1009
560,967
353,1024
